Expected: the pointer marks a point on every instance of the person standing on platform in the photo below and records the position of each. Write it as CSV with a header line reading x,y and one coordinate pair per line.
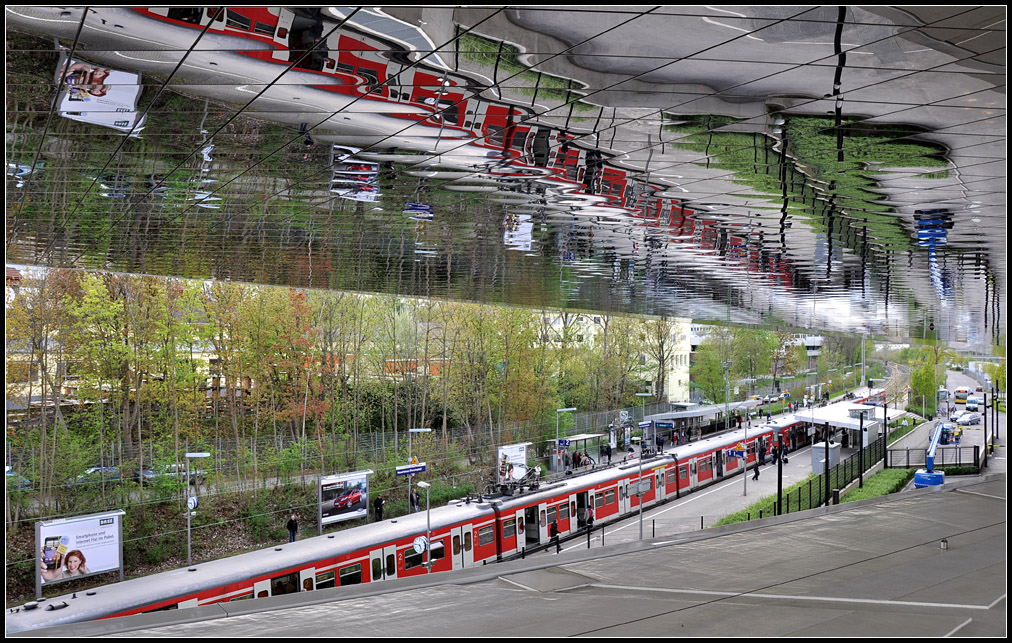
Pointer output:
x,y
553,532
293,528
377,507
415,500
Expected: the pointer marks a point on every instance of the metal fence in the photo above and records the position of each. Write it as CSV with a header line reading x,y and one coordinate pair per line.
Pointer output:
x,y
944,457
813,492
331,450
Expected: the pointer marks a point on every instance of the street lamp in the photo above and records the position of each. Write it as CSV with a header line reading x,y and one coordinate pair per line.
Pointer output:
x,y
410,459
428,527
557,411
191,501
643,400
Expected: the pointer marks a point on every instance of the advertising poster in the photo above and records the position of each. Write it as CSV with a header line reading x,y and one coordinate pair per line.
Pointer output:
x,y
76,547
100,96
512,459
344,497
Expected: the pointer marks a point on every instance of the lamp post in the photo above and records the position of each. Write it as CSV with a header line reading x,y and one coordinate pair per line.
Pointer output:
x,y
410,459
191,501
643,399
557,411
428,527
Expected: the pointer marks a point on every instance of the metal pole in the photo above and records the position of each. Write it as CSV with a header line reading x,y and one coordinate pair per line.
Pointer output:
x,y
860,451
639,487
780,474
825,437
187,512
428,530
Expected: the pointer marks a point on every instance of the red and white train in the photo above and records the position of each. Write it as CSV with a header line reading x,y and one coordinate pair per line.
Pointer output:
x,y
464,533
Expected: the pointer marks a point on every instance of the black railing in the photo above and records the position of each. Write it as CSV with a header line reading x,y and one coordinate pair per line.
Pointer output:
x,y
968,456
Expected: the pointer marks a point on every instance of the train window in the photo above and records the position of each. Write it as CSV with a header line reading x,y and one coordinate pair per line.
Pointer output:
x,y
692,467
326,579
262,593
174,606
287,584
377,569
647,484
572,509
350,575
682,473
564,511
551,515
671,476
486,536
413,559
609,497
509,529
236,20
599,500
438,551
456,545
624,489
242,597
391,564
263,28
307,584
467,540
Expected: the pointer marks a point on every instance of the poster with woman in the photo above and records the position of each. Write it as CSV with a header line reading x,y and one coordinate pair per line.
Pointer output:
x,y
99,95
76,547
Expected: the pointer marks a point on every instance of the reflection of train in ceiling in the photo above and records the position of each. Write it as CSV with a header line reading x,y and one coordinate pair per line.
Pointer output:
x,y
520,153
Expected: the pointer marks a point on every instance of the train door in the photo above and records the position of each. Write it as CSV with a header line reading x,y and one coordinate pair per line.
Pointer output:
x,y
215,17
262,589
307,579
532,530
383,563
570,523
581,509
285,19
461,547
693,474
623,496
719,457
661,490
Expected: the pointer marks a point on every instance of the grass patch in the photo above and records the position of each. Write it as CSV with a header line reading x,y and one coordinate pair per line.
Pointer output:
x,y
766,506
881,484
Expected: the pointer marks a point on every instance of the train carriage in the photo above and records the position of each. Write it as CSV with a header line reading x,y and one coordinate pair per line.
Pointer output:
x,y
464,533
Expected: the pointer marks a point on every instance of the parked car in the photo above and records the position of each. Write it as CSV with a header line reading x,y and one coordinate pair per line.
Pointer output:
x,y
147,476
968,419
956,414
16,482
95,476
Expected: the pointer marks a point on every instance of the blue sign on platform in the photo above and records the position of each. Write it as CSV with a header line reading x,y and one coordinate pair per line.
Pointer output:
x,y
735,454
411,469
563,443
664,425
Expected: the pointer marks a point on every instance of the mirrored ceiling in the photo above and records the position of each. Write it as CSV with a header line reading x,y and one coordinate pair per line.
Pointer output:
x,y
833,168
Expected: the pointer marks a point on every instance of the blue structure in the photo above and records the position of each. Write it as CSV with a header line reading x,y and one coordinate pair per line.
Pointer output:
x,y
929,477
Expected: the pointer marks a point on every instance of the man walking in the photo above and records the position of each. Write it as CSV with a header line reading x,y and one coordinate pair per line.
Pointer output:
x,y
755,469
